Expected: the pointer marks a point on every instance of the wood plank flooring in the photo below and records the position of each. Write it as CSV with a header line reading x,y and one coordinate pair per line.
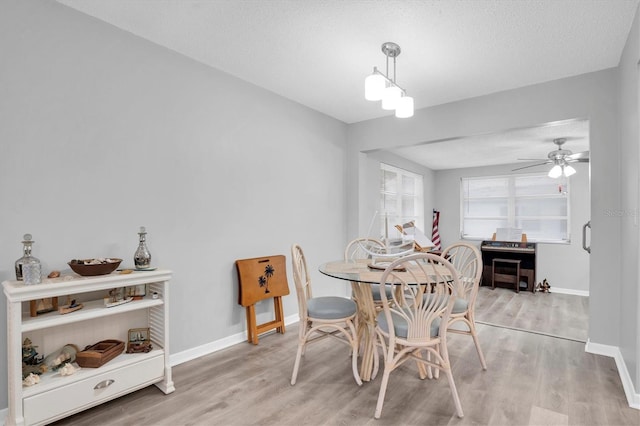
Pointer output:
x,y
532,379
556,314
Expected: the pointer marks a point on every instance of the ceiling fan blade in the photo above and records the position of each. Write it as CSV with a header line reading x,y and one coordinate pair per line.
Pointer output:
x,y
584,155
534,159
531,165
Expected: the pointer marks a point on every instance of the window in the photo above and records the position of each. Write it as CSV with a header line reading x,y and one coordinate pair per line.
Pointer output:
x,y
401,198
535,203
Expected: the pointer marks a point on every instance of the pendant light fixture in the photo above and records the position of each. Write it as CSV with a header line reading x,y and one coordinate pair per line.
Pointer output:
x,y
380,87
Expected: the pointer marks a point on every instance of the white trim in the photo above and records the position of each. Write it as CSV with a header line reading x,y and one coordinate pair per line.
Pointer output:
x,y
209,348
633,397
3,416
584,293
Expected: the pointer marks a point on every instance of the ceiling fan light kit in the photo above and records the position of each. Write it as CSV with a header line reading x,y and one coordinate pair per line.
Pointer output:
x,y
568,170
380,87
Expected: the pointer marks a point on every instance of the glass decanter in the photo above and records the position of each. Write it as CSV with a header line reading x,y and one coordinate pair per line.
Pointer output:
x,y
142,257
28,268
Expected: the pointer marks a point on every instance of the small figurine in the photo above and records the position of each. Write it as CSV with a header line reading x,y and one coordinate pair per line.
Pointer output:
x,y
71,306
31,361
543,286
29,353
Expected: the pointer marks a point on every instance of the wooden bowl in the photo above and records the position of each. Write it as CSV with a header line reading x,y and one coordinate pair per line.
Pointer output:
x,y
82,266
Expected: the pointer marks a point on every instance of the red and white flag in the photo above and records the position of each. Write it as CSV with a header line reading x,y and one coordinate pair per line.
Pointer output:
x,y
435,235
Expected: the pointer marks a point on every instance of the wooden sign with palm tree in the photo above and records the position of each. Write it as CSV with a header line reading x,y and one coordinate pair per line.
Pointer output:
x,y
258,279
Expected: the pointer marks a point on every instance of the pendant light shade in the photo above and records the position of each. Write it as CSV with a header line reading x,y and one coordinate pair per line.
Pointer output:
x,y
404,107
374,86
390,97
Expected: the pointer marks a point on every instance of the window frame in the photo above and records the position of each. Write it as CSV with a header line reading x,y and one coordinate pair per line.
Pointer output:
x,y
387,225
512,218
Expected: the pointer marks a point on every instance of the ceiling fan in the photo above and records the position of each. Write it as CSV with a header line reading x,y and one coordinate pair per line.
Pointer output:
x,y
560,158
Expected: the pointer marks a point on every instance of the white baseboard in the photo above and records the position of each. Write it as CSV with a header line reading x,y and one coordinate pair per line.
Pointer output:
x,y
633,397
570,291
3,415
209,348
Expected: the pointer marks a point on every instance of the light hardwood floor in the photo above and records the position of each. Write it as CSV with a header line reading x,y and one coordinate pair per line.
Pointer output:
x,y
532,379
552,313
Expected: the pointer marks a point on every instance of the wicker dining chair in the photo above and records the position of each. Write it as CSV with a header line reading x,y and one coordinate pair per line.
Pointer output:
x,y
467,260
412,325
321,317
360,249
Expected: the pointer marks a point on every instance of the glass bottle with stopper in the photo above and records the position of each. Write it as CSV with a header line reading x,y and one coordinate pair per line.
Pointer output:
x,y
28,268
142,257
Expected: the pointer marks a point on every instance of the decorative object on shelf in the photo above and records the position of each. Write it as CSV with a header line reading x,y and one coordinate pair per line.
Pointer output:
x,y
71,306
142,257
42,306
28,268
31,379
92,267
139,341
65,355
31,360
96,355
53,274
29,354
116,298
68,369
379,86
136,292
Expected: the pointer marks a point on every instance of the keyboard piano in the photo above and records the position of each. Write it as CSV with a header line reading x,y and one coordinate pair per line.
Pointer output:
x,y
524,251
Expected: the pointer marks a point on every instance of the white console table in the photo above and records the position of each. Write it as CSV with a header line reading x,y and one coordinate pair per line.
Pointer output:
x,y
59,396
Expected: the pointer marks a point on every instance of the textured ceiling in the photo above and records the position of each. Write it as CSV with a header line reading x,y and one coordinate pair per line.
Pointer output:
x,y
505,147
318,52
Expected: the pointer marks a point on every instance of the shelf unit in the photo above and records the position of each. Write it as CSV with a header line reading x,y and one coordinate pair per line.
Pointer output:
x,y
57,396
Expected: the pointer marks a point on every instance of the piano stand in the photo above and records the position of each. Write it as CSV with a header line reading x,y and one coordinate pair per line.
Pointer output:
x,y
515,278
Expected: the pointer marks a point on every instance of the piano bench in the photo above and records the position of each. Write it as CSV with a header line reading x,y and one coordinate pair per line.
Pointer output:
x,y
505,277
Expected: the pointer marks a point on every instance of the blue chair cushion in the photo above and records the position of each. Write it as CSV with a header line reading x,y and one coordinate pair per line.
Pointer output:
x,y
330,307
375,292
459,306
401,327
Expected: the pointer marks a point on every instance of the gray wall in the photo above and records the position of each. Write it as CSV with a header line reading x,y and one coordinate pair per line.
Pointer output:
x,y
572,273
102,132
629,208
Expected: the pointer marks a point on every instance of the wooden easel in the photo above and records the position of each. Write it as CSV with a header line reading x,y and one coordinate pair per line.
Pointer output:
x,y
262,278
